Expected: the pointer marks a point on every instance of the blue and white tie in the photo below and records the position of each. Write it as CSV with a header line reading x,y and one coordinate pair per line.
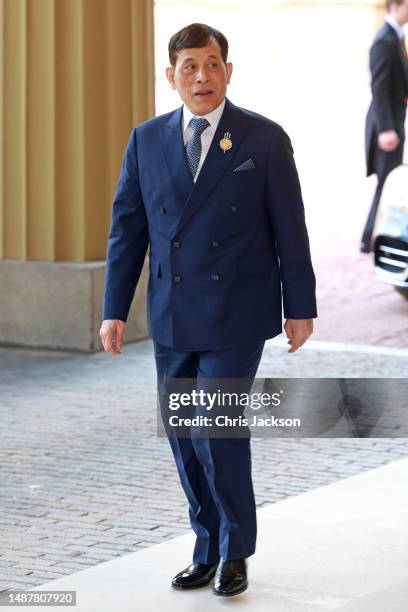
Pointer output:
x,y
193,147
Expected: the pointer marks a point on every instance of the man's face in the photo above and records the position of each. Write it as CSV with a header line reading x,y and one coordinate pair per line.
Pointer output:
x,y
200,77
401,12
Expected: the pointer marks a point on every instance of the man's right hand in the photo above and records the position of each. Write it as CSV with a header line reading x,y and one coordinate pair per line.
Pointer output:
x,y
111,333
388,141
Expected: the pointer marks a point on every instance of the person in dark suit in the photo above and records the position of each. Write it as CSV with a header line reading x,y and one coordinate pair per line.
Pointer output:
x,y
214,190
386,114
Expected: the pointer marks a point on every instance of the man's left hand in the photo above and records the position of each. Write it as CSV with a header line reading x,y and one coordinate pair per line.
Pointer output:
x,y
298,331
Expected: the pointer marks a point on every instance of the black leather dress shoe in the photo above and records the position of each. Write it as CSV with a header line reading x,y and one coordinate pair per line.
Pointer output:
x,y
194,576
230,577
365,247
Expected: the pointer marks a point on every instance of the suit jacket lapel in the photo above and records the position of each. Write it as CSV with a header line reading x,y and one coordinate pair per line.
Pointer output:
x,y
216,162
404,60
400,44
173,149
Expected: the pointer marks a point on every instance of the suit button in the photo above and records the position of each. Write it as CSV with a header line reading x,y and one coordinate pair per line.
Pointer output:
x,y
215,243
233,208
177,278
162,210
176,244
215,277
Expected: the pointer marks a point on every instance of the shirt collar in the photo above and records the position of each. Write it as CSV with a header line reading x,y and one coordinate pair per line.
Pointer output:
x,y
396,26
213,118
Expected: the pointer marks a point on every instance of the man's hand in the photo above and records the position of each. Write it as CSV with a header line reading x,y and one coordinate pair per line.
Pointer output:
x,y
111,333
298,331
388,141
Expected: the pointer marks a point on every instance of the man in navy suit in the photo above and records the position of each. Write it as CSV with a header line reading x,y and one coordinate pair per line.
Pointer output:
x,y
213,189
385,120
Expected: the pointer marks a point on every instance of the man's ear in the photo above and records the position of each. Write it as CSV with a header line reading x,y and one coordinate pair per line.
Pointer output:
x,y
228,67
170,76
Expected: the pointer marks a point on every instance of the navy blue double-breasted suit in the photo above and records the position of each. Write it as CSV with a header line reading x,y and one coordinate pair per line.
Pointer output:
x,y
225,253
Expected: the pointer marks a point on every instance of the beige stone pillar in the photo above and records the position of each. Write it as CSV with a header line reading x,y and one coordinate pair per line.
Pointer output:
x,y
75,76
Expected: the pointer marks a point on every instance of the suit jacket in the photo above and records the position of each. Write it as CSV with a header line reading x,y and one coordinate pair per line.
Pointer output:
x,y
223,250
389,86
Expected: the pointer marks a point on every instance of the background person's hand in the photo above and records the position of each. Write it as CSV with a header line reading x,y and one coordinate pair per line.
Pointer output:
x,y
111,333
388,141
298,331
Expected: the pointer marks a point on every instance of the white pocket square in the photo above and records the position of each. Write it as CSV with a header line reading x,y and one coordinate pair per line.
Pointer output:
x,y
247,165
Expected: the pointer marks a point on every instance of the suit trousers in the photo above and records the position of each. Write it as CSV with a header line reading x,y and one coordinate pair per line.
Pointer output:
x,y
366,238
384,163
215,472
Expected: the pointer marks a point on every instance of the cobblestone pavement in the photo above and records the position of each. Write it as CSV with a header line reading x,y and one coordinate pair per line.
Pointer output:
x,y
84,478
354,306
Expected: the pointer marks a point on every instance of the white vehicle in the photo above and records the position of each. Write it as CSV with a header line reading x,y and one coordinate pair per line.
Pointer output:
x,y
391,231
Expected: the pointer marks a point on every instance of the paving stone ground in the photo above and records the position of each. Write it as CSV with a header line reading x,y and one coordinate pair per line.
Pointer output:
x,y
84,478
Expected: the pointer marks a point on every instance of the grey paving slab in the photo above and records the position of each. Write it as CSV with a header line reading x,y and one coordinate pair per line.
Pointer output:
x,y
341,547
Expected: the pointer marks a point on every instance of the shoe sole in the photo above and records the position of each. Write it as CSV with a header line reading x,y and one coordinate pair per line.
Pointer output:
x,y
186,588
244,588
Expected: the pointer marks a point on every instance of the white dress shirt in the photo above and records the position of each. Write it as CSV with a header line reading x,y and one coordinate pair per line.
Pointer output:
x,y
207,135
396,26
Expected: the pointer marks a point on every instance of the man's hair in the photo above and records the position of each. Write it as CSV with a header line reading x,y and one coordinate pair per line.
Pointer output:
x,y
389,3
194,36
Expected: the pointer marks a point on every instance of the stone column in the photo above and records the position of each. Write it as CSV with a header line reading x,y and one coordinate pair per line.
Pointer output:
x,y
75,76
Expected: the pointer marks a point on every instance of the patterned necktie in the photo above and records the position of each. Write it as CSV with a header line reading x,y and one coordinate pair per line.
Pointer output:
x,y
193,147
